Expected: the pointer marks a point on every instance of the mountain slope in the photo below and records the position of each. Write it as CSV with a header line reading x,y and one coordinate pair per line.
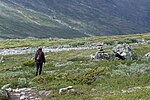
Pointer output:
x,y
18,22
72,18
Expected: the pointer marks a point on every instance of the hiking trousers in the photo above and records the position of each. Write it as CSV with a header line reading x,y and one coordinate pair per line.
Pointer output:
x,y
39,68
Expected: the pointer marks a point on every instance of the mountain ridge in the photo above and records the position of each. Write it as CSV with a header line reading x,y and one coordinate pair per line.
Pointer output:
x,y
74,18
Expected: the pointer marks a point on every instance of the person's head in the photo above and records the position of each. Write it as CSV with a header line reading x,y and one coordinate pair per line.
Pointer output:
x,y
40,48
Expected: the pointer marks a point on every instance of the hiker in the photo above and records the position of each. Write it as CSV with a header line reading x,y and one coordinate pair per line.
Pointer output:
x,y
39,59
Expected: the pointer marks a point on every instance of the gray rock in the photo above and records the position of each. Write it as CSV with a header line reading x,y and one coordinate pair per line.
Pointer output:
x,y
41,92
37,99
23,97
64,89
8,89
5,86
31,97
16,90
25,89
124,51
17,94
147,56
22,89
22,93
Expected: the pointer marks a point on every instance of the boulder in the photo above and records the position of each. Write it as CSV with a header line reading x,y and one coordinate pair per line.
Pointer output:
x,y
124,52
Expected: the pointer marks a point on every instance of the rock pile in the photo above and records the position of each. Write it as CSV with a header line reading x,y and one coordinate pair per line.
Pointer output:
x,y
124,52
7,93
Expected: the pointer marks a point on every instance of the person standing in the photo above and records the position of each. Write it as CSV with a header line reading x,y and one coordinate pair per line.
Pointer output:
x,y
39,60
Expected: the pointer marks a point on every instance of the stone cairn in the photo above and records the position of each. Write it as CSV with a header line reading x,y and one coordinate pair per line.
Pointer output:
x,y
121,52
100,54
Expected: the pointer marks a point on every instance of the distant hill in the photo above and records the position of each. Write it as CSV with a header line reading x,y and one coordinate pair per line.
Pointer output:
x,y
72,18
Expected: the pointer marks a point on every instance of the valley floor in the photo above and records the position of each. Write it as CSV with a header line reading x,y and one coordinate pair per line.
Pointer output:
x,y
90,80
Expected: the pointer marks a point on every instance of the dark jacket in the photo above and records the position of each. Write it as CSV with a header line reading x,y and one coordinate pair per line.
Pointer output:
x,y
42,57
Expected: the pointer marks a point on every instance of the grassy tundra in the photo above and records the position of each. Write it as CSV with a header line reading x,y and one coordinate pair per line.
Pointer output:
x,y
94,80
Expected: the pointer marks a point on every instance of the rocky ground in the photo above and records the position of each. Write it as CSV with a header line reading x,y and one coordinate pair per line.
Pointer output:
x,y
7,93
22,93
31,94
27,50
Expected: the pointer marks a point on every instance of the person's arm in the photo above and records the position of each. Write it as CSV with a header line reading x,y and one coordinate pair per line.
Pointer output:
x,y
35,57
44,58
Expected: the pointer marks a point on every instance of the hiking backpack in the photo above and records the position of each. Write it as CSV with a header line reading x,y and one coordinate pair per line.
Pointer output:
x,y
39,56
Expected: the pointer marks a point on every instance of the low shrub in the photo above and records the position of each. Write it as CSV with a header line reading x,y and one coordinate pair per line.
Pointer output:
x,y
133,69
79,43
87,77
44,79
128,40
29,63
19,83
4,95
109,42
79,58
22,82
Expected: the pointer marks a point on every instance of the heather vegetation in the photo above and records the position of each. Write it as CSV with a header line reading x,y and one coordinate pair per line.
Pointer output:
x,y
91,80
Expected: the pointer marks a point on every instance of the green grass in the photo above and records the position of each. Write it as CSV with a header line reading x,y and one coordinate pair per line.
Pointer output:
x,y
93,79
12,43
